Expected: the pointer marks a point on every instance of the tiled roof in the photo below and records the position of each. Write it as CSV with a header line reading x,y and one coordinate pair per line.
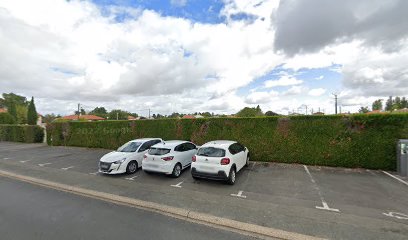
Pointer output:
x,y
86,117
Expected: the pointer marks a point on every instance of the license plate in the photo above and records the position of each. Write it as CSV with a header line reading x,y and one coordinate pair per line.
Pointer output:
x,y
206,168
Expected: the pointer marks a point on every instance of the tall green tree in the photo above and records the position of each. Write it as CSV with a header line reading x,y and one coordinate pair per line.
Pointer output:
x,y
118,114
250,112
270,113
404,103
396,103
388,104
32,115
377,104
11,108
363,110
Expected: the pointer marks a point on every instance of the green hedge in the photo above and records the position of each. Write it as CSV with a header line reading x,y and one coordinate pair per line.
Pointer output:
x,y
21,133
6,118
366,141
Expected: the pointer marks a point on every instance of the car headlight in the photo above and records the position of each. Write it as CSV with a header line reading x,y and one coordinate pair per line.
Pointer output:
x,y
120,161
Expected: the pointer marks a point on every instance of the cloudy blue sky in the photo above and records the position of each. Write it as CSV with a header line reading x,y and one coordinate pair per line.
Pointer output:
x,y
194,55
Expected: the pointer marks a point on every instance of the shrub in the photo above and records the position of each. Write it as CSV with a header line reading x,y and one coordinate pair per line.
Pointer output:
x,y
6,118
21,133
366,141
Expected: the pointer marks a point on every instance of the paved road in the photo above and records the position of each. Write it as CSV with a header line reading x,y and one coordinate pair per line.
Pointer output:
x,y
32,212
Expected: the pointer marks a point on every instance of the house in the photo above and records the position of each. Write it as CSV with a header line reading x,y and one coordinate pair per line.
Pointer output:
x,y
188,117
198,116
3,110
318,113
376,112
89,118
131,118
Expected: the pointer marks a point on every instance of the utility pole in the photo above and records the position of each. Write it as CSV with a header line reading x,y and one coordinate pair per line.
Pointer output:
x,y
149,113
79,105
335,102
117,116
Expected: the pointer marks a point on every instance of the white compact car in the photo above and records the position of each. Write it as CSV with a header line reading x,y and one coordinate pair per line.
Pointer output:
x,y
169,157
128,158
219,160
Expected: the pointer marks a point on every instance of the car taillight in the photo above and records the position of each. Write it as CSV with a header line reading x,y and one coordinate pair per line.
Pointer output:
x,y
225,161
194,158
168,158
144,156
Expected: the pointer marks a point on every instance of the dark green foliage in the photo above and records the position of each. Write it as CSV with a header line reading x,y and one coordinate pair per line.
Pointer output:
x,y
118,114
377,105
32,115
12,110
270,113
21,133
250,112
6,118
363,110
366,141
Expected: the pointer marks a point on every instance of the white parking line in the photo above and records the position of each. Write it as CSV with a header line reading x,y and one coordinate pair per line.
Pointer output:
x,y
398,179
6,158
43,164
324,203
397,215
178,185
24,161
94,173
239,194
132,178
67,168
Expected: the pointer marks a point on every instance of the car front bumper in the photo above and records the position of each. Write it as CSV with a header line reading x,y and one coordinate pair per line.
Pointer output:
x,y
112,168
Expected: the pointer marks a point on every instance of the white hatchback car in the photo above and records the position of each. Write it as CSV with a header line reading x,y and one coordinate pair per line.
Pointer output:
x,y
169,157
219,160
128,158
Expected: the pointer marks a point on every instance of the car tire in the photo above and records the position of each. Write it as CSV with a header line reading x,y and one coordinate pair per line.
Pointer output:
x,y
247,161
131,167
176,171
195,178
232,176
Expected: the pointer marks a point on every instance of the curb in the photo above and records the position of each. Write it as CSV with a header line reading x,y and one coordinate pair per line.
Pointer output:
x,y
192,216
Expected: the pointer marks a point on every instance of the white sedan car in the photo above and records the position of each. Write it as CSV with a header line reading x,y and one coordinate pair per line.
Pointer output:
x,y
169,157
128,158
219,160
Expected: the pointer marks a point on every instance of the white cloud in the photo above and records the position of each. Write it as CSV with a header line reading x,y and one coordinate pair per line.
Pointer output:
x,y
319,77
317,92
64,52
178,3
282,82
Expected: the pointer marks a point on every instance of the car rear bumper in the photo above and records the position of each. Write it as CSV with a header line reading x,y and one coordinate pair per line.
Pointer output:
x,y
160,168
220,175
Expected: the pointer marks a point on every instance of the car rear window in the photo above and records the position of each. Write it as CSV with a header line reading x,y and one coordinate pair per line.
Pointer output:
x,y
158,151
211,152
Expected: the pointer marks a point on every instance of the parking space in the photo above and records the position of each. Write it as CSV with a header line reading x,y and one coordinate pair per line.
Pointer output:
x,y
366,193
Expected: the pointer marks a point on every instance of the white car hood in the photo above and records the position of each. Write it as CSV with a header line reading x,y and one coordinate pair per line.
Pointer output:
x,y
115,156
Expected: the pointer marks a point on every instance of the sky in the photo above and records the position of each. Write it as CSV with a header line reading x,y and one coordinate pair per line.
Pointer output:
x,y
194,56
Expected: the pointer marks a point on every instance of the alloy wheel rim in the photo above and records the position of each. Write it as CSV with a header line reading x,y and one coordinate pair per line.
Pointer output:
x,y
178,170
132,167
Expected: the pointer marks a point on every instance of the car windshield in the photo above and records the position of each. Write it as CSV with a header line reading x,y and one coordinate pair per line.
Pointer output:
x,y
211,152
158,151
129,147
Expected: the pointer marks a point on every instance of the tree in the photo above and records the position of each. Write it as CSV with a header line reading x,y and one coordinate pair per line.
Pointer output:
x,y
388,104
250,112
377,104
396,103
6,118
49,118
32,115
363,110
118,114
8,98
98,110
21,114
11,108
270,113
404,103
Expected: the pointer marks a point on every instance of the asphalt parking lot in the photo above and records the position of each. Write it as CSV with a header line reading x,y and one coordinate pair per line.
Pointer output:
x,y
334,193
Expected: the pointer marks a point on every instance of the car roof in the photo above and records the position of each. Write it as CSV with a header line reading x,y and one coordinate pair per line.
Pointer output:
x,y
169,144
144,139
219,143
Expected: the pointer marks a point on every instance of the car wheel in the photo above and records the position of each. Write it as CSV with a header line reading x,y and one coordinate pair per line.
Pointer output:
x,y
247,161
195,178
176,171
131,167
232,175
